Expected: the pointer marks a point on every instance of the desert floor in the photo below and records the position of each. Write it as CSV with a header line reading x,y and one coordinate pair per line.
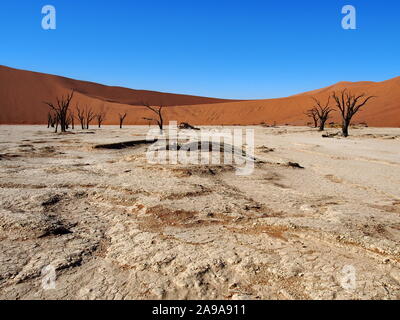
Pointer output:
x,y
116,227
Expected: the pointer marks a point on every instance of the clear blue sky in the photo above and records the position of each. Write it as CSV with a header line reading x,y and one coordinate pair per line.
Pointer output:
x,y
221,48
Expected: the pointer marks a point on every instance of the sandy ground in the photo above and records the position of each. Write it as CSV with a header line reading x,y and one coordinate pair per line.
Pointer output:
x,y
117,227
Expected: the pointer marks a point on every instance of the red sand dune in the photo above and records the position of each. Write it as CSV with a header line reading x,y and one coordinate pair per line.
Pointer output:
x,y
22,94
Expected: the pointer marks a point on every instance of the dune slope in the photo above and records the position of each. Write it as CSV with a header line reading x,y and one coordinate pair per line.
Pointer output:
x,y
22,94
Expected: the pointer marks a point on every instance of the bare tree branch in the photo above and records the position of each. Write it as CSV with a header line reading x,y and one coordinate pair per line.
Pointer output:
x,y
60,110
349,104
121,119
158,112
312,113
322,112
81,116
101,116
89,115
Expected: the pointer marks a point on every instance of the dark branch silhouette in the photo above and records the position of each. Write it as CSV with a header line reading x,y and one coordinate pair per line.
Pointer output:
x,y
349,104
71,119
101,116
121,119
81,116
312,113
158,112
51,120
89,115
61,110
322,112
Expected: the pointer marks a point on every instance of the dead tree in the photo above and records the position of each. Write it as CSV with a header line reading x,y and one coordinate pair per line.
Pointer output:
x,y
61,110
322,112
72,120
68,121
101,116
56,124
349,104
121,119
81,116
312,113
51,120
90,115
158,112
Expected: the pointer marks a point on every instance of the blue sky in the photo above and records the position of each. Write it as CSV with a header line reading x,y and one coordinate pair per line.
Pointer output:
x,y
228,49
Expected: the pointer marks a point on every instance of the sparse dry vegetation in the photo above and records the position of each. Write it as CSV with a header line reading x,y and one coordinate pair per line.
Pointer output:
x,y
322,112
158,111
312,113
101,116
349,104
60,110
122,117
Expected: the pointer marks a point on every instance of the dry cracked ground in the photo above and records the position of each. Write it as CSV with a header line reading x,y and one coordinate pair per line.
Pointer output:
x,y
116,227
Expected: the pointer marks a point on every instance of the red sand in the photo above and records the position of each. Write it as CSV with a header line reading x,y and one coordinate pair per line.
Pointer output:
x,y
22,94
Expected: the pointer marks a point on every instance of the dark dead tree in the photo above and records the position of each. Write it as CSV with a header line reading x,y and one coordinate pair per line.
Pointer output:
x,y
89,115
121,119
158,112
312,113
349,104
51,120
72,120
57,121
81,116
68,121
322,112
61,109
101,116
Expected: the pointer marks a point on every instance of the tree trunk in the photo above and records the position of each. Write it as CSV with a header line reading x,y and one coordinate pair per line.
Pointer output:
x,y
63,125
322,125
345,128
